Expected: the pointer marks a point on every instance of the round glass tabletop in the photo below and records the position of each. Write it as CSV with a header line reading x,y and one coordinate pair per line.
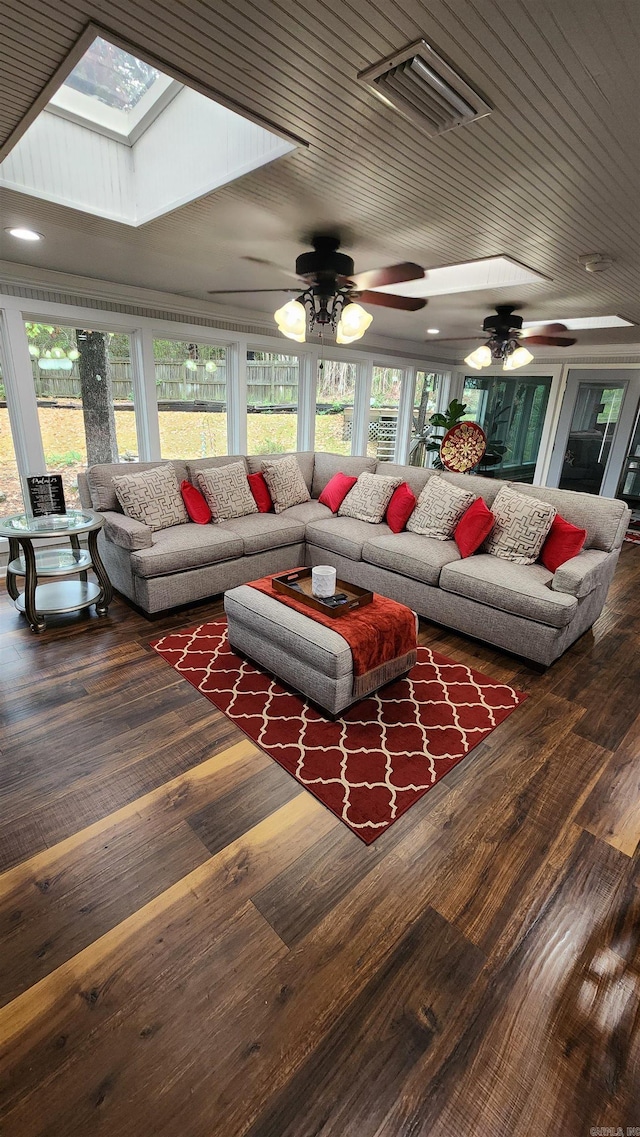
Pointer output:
x,y
74,521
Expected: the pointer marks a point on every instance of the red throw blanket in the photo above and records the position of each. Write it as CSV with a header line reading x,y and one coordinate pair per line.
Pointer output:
x,y
376,634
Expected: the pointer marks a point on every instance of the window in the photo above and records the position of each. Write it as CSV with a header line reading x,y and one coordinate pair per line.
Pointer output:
x,y
84,390
10,488
191,385
425,401
272,402
383,416
336,391
511,411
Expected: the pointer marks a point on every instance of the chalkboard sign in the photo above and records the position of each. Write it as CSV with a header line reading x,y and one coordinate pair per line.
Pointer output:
x,y
46,495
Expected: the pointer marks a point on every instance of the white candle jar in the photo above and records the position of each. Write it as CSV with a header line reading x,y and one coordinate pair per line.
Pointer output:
x,y
323,581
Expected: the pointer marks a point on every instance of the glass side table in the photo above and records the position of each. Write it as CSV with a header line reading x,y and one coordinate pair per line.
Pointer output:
x,y
39,600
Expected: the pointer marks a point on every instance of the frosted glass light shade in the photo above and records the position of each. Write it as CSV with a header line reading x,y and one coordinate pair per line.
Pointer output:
x,y
518,358
479,358
292,320
353,323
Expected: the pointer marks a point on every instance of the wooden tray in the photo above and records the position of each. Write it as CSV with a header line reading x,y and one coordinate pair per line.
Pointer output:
x,y
297,584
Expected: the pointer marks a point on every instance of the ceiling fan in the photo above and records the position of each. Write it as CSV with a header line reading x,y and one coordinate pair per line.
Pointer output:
x,y
330,289
505,342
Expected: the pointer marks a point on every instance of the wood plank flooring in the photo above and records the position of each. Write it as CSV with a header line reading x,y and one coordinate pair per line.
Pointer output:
x,y
192,946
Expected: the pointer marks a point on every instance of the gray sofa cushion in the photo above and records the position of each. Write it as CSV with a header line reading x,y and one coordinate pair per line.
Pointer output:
x,y
486,488
261,531
600,516
100,480
416,477
185,547
523,590
326,465
411,554
307,511
344,535
305,460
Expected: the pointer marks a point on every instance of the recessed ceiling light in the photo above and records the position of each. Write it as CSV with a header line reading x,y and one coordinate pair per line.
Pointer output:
x,y
433,331
24,234
579,323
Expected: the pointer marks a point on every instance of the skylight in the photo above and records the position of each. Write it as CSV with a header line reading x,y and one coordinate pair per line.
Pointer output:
x,y
583,323
122,139
113,92
472,276
112,76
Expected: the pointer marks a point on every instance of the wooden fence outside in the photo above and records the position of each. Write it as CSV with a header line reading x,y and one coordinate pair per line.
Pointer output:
x,y
271,384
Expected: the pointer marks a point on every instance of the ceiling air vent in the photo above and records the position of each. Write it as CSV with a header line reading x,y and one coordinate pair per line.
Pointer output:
x,y
419,84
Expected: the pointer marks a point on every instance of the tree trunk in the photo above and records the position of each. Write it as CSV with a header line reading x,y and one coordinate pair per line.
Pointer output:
x,y
97,397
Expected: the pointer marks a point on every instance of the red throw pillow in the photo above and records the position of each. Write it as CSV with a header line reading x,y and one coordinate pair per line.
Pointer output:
x,y
563,542
260,491
473,527
336,490
400,507
195,504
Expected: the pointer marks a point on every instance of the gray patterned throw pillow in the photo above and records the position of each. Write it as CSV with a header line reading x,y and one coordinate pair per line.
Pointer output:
x,y
227,492
286,483
152,497
439,509
369,498
521,526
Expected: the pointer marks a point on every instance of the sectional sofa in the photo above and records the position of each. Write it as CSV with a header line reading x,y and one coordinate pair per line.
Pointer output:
x,y
524,609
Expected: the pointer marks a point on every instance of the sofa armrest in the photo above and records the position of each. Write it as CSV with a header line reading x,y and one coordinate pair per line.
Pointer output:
x,y
579,576
126,532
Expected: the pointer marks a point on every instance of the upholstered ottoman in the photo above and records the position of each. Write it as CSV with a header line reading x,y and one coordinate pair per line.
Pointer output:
x,y
303,653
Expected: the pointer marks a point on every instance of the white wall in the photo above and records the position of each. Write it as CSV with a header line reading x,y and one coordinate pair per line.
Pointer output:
x,y
194,147
62,161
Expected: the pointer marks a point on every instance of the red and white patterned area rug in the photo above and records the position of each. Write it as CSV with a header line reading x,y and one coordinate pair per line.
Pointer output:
x,y
385,752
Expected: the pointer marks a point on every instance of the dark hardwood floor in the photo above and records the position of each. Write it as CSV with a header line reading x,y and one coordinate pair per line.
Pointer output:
x,y
192,946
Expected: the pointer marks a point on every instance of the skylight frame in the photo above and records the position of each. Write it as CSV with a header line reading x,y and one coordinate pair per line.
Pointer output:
x,y
120,125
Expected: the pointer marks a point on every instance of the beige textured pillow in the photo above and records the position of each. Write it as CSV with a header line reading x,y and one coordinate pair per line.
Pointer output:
x,y
286,483
152,497
439,509
521,526
369,498
227,492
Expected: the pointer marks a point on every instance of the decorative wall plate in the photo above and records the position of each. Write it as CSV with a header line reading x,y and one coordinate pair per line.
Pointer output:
x,y
463,447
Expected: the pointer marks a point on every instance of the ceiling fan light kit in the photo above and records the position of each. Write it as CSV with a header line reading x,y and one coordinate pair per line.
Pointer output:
x,y
503,345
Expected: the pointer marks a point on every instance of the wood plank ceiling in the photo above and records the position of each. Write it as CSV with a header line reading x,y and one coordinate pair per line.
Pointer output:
x,y
551,174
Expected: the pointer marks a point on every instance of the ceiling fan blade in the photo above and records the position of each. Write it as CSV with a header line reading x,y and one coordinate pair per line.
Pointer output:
x,y
388,300
544,330
243,291
551,341
271,264
392,274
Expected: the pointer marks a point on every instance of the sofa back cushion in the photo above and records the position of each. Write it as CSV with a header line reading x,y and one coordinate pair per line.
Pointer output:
x,y
152,497
195,466
326,465
486,488
304,458
416,477
100,480
602,517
